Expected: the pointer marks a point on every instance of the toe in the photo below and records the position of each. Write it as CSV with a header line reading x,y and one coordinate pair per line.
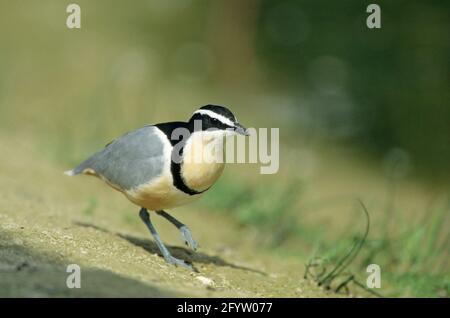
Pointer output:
x,y
179,262
187,236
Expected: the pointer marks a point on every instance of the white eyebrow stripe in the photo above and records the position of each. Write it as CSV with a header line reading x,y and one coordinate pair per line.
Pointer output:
x,y
212,114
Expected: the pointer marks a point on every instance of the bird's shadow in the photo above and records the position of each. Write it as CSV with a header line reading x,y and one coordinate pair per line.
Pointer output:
x,y
179,252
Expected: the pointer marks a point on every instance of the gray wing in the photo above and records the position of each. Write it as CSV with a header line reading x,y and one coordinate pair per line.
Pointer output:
x,y
133,159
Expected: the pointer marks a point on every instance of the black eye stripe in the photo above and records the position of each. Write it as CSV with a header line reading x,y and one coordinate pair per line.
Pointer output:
x,y
221,110
208,122
215,120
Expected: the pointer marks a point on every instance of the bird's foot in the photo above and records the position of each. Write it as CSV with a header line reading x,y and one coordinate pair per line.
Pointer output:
x,y
178,262
187,237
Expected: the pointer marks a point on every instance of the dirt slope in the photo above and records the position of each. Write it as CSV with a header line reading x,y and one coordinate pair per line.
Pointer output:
x,y
48,220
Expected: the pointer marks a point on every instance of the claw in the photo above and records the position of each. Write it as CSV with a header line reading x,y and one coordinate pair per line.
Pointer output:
x,y
187,236
178,262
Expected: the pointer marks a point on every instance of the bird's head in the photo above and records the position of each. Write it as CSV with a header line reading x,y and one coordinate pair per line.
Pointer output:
x,y
217,118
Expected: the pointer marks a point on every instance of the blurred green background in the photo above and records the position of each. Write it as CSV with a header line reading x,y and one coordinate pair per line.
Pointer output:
x,y
362,113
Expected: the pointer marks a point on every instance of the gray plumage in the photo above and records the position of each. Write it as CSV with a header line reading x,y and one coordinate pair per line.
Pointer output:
x,y
131,160
144,155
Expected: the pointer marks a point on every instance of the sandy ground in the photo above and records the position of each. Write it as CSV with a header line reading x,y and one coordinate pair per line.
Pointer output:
x,y
49,220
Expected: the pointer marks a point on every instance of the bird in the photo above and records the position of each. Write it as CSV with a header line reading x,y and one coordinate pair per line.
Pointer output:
x,y
153,166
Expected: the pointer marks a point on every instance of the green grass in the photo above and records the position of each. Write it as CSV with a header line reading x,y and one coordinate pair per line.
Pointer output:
x,y
264,207
81,89
413,259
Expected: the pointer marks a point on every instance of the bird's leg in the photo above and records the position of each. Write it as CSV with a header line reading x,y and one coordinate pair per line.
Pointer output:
x,y
185,232
143,214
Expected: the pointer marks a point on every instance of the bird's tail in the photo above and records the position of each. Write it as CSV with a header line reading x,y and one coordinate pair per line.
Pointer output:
x,y
69,173
81,168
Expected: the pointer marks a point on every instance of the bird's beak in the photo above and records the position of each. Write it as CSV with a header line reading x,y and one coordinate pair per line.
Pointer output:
x,y
241,129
